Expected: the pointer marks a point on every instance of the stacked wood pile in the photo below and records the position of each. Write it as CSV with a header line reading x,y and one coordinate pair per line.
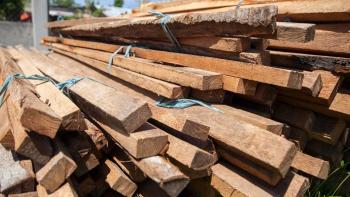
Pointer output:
x,y
278,89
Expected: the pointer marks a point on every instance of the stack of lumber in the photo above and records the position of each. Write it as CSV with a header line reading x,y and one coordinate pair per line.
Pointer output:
x,y
275,123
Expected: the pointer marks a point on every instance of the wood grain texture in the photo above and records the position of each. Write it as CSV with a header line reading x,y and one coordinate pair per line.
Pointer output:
x,y
311,165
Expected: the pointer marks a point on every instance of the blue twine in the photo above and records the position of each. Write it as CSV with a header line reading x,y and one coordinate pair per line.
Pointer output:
x,y
9,79
164,20
239,4
111,58
68,83
184,103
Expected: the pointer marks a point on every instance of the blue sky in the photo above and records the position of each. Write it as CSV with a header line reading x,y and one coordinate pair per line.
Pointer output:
x,y
127,3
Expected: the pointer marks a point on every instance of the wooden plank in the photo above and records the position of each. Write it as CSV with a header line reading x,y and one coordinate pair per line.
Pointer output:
x,y
220,131
312,83
157,86
66,190
279,77
174,118
191,77
165,174
146,141
32,113
177,119
72,22
245,21
311,165
108,105
310,62
227,44
314,11
330,84
51,176
118,181
238,85
338,108
326,41
189,155
229,181
69,113
12,173
294,32
254,119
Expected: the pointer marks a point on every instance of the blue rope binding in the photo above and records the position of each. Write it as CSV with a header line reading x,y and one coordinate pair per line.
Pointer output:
x,y
164,20
127,55
184,103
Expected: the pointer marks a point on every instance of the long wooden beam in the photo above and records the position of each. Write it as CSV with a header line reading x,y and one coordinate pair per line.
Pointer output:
x,y
255,72
245,21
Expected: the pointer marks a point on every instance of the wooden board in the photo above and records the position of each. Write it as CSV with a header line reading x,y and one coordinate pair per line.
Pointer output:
x,y
210,96
256,72
55,172
330,84
338,108
326,41
229,181
245,21
160,87
6,137
70,114
168,176
66,190
311,165
146,141
96,135
310,62
238,85
118,181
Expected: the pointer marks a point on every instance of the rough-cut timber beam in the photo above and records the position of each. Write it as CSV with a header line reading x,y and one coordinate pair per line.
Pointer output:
x,y
157,86
311,165
55,172
168,176
256,72
229,181
310,62
32,113
118,181
70,114
245,21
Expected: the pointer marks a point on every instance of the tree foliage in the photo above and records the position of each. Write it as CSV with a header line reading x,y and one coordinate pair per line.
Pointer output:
x,y
11,9
118,3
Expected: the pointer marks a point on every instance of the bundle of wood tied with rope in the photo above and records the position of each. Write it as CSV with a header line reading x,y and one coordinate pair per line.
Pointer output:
x,y
181,98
